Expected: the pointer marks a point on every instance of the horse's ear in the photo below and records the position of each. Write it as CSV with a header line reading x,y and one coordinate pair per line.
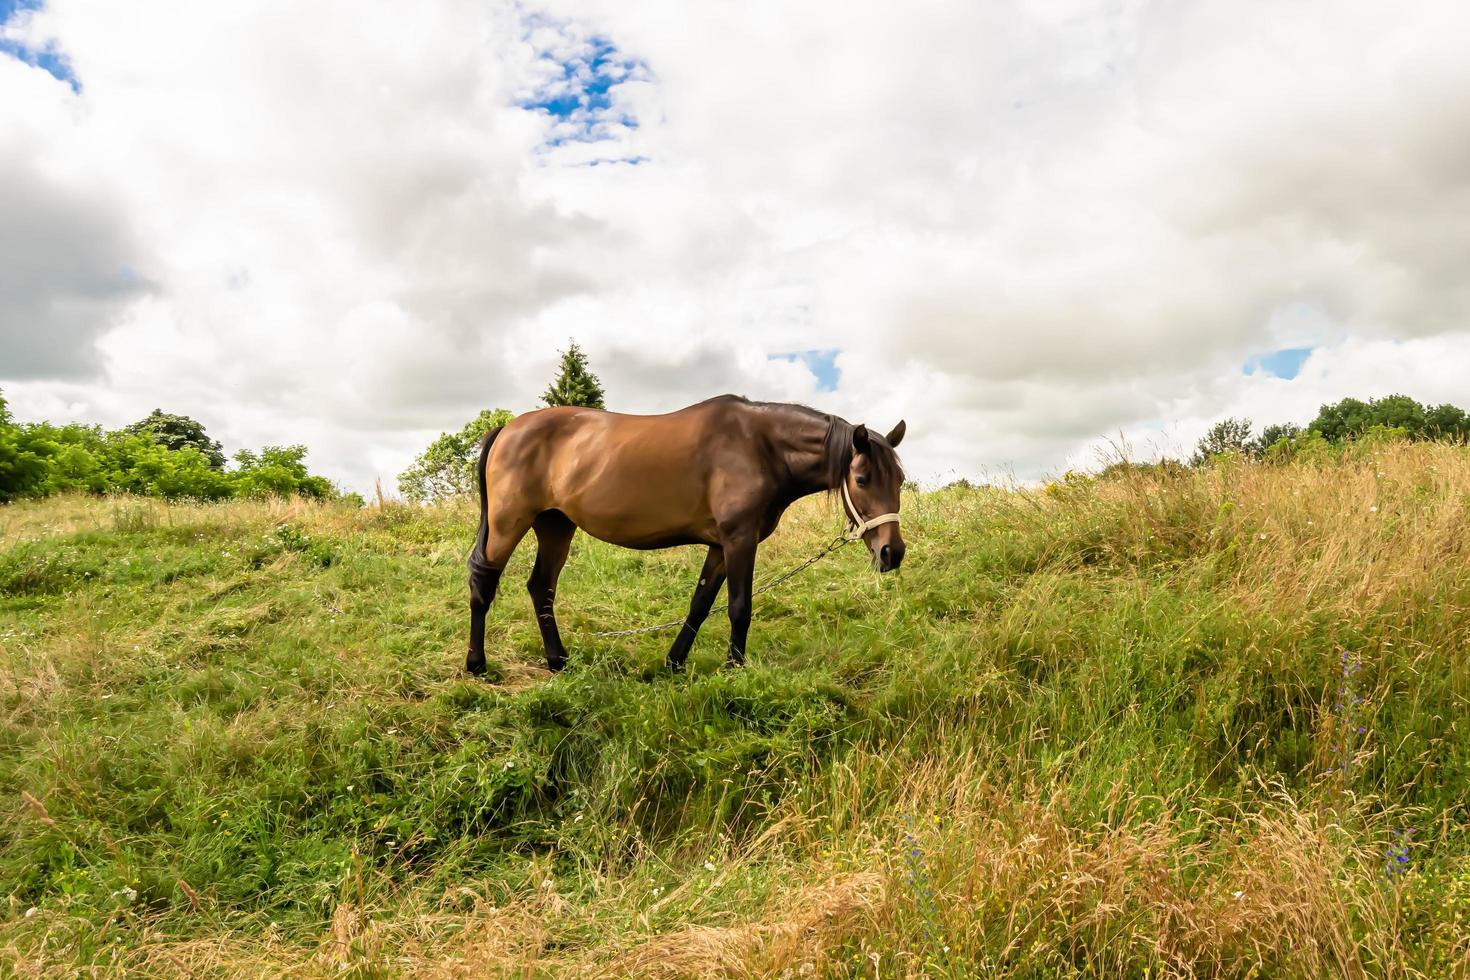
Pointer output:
x,y
896,436
860,440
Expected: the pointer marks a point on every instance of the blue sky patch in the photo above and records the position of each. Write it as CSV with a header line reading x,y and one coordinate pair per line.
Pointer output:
x,y
821,363
576,78
47,58
1285,363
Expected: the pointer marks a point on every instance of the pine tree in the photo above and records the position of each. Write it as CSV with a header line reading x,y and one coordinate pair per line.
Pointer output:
x,y
575,385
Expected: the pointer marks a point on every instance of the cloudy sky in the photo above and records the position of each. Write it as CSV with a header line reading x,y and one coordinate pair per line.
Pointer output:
x,y
1025,227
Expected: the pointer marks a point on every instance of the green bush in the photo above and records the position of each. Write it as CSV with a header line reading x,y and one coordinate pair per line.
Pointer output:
x,y
39,459
447,467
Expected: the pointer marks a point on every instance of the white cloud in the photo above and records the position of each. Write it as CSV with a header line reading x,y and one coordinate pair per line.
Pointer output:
x,y
1025,227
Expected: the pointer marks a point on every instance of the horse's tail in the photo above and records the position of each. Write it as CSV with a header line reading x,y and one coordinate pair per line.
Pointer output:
x,y
478,556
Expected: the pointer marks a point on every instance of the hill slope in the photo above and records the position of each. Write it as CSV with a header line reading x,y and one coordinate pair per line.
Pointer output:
x,y
1200,723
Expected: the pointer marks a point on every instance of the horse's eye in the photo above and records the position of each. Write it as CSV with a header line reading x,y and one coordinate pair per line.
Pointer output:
x,y
862,481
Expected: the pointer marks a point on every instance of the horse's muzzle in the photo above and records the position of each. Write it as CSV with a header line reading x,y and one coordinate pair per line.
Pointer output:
x,y
890,556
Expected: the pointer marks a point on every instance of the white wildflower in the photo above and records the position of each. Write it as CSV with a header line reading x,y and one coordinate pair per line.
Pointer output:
x,y
709,866
1237,895
1373,509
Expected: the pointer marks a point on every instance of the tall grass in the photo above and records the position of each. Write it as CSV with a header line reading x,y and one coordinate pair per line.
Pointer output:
x,y
1206,723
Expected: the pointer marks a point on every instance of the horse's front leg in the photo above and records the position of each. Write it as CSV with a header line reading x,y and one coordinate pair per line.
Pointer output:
x,y
740,567
711,577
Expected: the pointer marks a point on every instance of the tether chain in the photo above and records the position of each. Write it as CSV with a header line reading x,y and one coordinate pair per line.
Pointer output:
x,y
837,544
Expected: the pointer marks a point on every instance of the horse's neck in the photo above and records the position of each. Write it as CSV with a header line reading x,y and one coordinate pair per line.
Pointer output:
x,y
802,446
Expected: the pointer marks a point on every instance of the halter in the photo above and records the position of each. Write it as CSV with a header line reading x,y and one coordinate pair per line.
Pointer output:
x,y
857,527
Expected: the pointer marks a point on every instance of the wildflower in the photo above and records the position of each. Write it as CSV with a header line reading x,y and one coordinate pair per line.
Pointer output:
x,y
709,866
1237,895
1373,509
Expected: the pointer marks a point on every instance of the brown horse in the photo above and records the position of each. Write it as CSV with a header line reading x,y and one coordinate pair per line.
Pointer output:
x,y
720,473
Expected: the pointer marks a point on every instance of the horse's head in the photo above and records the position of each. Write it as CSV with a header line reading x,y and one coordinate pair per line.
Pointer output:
x,y
870,494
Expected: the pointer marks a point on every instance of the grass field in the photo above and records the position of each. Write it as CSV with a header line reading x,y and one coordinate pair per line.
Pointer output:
x,y
1210,723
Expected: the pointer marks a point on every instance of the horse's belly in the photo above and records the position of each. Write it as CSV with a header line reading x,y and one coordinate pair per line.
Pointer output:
x,y
639,529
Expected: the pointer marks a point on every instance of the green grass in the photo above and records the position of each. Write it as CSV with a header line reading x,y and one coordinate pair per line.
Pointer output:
x,y
1156,725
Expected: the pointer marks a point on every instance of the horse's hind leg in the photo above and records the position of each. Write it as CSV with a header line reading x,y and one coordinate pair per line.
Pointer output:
x,y
711,577
493,547
484,580
554,532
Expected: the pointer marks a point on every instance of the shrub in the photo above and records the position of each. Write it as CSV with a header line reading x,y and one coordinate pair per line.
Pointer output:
x,y
277,471
447,467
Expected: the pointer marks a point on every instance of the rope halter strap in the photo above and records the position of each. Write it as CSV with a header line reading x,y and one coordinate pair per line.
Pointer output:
x,y
856,526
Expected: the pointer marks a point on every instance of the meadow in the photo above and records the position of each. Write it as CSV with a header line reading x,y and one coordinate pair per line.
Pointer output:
x,y
1199,722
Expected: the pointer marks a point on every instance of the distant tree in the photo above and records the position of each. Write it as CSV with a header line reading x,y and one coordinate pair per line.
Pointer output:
x,y
1352,418
1225,436
1398,412
1271,435
136,463
25,462
1341,420
447,467
178,431
1446,422
278,471
575,384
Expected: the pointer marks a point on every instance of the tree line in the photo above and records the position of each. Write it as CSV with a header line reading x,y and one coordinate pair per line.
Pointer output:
x,y
162,455
1393,417
166,455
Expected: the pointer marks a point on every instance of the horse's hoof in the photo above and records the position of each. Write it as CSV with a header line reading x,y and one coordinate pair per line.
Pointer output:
x,y
475,667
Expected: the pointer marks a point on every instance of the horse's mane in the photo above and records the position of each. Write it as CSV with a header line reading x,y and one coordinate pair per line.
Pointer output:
x,y
837,453
837,446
